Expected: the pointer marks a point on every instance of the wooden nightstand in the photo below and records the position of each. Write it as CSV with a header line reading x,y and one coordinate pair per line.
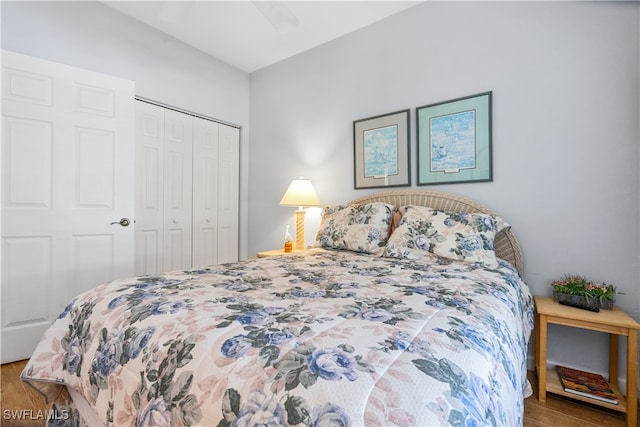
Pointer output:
x,y
275,252
614,322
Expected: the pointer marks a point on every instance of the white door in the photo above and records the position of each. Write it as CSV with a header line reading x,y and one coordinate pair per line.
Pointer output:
x,y
178,184
67,168
228,193
149,184
205,192
163,203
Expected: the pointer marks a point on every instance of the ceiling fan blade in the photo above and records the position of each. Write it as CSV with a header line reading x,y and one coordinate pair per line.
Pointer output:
x,y
174,11
278,14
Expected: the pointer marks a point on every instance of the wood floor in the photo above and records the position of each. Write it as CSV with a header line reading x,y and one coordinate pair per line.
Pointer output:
x,y
556,411
18,396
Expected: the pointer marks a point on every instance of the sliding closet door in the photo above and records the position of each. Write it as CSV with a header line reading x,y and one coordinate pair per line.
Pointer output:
x,y
163,189
178,175
187,190
228,193
67,168
205,192
216,175
149,189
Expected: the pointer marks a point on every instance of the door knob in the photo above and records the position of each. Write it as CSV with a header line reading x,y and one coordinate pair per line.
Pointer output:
x,y
123,222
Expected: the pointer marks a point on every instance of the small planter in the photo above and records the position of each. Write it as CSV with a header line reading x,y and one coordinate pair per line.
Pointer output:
x,y
606,303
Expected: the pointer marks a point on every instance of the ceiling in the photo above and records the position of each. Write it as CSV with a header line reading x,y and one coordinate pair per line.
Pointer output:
x,y
254,34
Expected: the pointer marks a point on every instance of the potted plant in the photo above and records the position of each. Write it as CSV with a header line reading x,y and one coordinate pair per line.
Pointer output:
x,y
576,288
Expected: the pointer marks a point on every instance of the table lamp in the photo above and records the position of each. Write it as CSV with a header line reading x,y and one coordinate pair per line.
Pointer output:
x,y
300,193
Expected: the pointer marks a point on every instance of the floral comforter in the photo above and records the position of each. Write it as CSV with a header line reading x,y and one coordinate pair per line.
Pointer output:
x,y
317,339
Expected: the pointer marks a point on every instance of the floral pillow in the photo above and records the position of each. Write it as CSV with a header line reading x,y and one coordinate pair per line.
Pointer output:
x,y
359,228
427,233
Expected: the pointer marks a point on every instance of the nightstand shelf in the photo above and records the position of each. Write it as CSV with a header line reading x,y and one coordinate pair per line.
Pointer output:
x,y
554,386
275,252
614,322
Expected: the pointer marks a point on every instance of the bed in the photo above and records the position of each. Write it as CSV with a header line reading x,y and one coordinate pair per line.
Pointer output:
x,y
409,310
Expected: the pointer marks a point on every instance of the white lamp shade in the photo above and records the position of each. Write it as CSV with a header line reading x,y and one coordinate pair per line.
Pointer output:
x,y
300,193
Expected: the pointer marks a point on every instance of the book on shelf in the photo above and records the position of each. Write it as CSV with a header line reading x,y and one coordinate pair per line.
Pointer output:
x,y
587,384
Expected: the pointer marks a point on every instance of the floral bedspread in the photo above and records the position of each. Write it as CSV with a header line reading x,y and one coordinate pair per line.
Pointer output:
x,y
323,338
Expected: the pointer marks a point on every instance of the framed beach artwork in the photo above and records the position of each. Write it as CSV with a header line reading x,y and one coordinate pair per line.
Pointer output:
x,y
454,141
381,151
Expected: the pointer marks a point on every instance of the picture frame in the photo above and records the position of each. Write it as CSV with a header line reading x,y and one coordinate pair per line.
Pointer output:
x,y
382,151
454,141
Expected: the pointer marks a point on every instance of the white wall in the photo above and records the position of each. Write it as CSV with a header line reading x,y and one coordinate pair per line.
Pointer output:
x,y
93,36
565,82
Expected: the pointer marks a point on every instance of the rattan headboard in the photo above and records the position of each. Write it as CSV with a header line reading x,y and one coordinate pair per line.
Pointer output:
x,y
506,245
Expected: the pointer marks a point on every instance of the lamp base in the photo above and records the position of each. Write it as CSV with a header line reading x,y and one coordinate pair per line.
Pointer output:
x,y
300,229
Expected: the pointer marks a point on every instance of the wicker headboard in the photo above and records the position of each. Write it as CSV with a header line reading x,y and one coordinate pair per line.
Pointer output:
x,y
506,245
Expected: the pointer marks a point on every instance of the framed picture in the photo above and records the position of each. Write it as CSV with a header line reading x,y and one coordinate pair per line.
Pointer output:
x,y
454,141
381,151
